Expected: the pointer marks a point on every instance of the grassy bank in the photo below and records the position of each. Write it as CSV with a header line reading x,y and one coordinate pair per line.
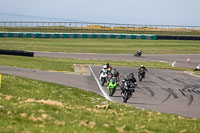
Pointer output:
x,y
108,46
64,64
34,106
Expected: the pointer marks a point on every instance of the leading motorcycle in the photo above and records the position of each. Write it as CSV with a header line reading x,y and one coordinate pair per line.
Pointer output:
x,y
103,78
127,90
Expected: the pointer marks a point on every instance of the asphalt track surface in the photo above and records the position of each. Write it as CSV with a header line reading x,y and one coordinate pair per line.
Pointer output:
x,y
180,60
165,91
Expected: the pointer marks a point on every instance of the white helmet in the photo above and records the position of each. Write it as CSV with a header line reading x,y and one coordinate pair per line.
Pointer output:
x,y
142,65
104,67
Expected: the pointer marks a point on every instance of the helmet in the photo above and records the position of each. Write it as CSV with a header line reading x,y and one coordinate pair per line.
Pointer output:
x,y
131,76
104,67
107,63
142,65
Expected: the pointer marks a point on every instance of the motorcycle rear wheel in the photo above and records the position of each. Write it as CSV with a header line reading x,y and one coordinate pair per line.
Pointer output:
x,y
103,81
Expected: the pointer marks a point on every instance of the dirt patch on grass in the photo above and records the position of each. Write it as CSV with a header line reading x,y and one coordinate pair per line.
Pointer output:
x,y
49,102
89,124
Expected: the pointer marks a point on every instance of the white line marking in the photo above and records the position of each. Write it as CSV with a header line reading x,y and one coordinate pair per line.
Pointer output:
x,y
191,74
173,64
100,87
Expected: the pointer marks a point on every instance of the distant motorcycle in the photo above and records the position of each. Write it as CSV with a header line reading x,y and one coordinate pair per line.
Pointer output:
x,y
197,68
128,88
141,75
138,53
103,78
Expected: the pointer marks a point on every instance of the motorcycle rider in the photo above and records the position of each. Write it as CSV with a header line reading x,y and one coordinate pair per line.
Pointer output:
x,y
108,65
104,69
109,68
112,83
142,68
114,73
130,78
139,53
197,68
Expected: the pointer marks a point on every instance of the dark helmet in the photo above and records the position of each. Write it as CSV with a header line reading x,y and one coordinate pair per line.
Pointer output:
x,y
131,75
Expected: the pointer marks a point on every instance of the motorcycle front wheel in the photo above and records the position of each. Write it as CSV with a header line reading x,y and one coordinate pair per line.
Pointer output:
x,y
125,97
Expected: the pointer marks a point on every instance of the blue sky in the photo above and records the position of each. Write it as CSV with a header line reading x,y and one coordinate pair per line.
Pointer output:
x,y
164,12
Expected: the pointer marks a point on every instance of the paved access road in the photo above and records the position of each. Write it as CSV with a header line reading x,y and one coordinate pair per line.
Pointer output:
x,y
181,60
162,90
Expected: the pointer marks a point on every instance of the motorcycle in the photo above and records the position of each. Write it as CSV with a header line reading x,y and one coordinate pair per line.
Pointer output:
x,y
197,68
128,88
138,53
112,86
103,78
141,75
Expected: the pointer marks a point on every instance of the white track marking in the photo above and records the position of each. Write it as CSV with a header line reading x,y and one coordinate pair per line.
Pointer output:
x,y
173,64
100,87
191,74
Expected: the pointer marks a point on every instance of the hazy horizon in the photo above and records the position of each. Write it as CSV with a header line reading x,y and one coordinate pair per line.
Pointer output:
x,y
154,12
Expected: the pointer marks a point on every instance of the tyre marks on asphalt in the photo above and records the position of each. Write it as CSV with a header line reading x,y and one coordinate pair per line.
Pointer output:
x,y
163,90
170,93
151,92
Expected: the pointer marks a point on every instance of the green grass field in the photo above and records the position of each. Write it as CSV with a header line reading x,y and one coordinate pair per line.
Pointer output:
x,y
31,106
108,46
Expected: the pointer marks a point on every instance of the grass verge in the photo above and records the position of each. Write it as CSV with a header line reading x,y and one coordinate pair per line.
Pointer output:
x,y
34,106
107,46
64,64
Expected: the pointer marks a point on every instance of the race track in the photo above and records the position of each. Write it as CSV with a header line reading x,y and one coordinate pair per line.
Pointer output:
x,y
181,60
162,90
166,91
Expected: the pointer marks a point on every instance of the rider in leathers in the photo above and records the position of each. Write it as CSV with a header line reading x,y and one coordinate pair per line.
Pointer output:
x,y
104,69
131,78
142,68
